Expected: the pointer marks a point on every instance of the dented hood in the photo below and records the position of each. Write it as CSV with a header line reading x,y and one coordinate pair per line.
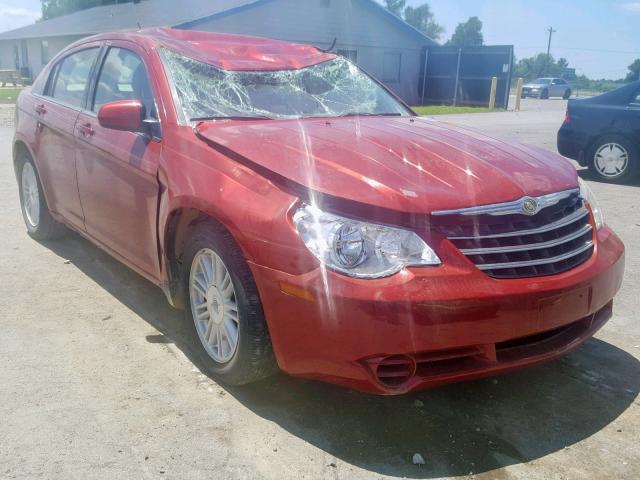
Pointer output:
x,y
406,164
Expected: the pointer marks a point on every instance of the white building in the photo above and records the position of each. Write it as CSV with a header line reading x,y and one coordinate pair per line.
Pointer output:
x,y
378,41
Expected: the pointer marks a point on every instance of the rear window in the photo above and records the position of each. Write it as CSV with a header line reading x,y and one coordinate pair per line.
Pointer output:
x,y
71,77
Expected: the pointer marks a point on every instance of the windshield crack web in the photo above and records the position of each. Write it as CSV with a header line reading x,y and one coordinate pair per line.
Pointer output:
x,y
332,88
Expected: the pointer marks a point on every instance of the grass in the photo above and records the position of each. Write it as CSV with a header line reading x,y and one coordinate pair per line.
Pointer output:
x,y
448,109
9,94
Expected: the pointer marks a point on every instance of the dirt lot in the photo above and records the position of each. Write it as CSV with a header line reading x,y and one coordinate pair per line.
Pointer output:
x,y
97,380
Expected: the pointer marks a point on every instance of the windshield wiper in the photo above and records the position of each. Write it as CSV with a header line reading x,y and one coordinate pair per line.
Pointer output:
x,y
369,114
231,117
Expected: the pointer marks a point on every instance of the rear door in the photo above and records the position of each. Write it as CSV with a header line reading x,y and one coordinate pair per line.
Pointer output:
x,y
633,114
117,171
57,110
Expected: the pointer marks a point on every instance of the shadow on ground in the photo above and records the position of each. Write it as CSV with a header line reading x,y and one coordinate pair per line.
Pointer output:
x,y
586,174
470,427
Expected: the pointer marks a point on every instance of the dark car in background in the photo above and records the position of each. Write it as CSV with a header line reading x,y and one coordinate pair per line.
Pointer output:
x,y
603,133
547,87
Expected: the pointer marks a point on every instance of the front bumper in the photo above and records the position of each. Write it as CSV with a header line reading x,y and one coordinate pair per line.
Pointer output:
x,y
531,93
428,326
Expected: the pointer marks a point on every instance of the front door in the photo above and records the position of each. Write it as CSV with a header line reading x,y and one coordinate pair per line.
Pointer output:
x,y
56,112
117,171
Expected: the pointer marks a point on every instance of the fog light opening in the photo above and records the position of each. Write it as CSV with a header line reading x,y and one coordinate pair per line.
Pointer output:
x,y
395,370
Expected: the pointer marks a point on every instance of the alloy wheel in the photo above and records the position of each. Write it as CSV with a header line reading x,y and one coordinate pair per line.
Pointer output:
x,y
30,194
214,306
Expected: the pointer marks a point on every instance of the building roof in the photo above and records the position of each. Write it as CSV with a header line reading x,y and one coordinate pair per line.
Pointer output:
x,y
161,13
129,16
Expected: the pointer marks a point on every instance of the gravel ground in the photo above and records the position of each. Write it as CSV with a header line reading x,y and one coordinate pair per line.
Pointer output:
x,y
97,380
6,115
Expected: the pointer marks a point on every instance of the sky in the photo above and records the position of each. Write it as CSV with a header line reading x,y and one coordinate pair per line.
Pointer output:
x,y
600,38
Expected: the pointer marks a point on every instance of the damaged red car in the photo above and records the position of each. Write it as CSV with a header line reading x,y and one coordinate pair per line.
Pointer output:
x,y
307,220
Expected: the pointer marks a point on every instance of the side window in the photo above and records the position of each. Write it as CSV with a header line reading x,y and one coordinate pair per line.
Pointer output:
x,y
123,76
72,77
51,79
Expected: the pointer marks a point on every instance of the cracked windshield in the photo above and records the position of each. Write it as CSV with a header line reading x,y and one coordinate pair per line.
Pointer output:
x,y
333,88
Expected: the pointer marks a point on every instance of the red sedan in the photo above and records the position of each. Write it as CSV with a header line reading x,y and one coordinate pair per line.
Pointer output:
x,y
304,218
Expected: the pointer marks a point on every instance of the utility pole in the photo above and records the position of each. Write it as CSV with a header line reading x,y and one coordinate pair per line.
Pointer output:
x,y
551,32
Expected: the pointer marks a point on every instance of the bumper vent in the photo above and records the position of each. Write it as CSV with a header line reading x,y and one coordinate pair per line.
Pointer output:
x,y
395,370
557,238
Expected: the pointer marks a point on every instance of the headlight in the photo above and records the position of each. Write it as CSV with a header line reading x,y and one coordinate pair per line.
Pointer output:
x,y
359,249
587,194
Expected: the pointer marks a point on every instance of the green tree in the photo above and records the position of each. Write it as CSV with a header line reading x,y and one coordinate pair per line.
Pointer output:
x,y
467,34
542,65
56,8
634,71
421,18
396,6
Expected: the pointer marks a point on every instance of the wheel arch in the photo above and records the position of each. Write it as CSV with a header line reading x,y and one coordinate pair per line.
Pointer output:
x,y
179,225
21,148
594,139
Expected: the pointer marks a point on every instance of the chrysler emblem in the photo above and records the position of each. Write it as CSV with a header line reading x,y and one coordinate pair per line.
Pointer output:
x,y
529,206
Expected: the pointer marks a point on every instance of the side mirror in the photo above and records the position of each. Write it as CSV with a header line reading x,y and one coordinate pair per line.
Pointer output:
x,y
126,115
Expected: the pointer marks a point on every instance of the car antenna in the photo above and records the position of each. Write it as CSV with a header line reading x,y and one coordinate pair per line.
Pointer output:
x,y
333,44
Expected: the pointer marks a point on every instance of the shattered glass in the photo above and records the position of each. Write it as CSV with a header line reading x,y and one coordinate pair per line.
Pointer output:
x,y
333,88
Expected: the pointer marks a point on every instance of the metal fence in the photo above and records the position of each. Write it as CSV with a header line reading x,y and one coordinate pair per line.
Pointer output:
x,y
462,76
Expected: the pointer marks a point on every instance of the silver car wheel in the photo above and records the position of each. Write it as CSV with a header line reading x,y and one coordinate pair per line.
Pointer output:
x,y
214,306
611,160
30,195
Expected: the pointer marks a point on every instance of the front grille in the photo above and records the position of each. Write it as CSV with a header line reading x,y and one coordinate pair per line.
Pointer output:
x,y
556,239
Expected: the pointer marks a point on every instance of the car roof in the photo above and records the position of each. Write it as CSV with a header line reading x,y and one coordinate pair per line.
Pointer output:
x,y
225,51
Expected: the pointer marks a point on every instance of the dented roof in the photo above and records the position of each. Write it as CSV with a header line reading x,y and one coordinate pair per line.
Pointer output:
x,y
238,52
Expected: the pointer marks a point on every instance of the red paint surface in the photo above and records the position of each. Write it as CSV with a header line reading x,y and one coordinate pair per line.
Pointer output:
x,y
121,189
124,115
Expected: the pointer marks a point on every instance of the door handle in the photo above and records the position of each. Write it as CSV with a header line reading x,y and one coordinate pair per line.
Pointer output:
x,y
86,129
40,109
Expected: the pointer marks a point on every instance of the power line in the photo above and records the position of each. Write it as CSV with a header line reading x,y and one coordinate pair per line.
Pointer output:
x,y
556,47
627,52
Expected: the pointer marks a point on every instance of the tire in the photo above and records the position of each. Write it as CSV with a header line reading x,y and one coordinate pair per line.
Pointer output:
x,y
544,94
614,169
35,212
567,94
252,358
